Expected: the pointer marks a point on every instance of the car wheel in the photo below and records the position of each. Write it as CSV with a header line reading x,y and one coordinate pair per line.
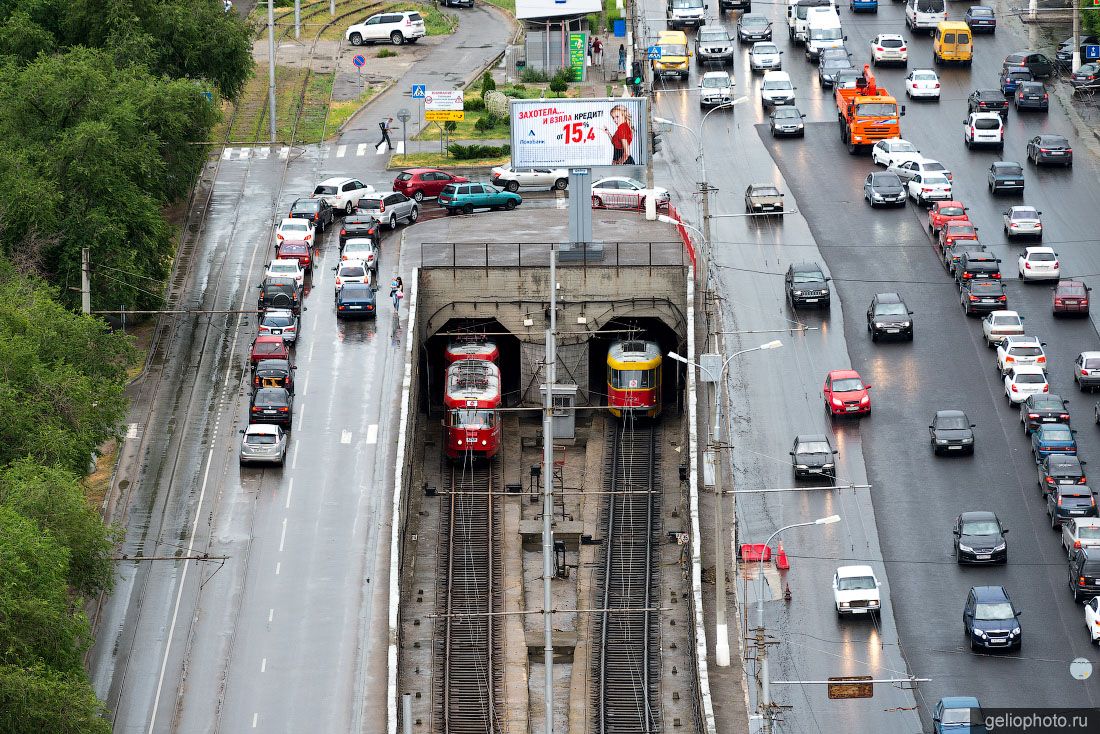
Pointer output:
x,y
356,39
348,208
561,184
392,224
1020,274
414,214
874,335
597,202
418,195
931,229
512,186
510,205
396,38
468,209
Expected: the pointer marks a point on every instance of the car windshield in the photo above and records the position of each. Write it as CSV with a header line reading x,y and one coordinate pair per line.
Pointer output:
x,y
981,527
805,276
891,309
278,322
814,447
750,22
765,48
786,112
836,63
993,612
1021,213
687,4
1027,378
847,384
952,422
924,76
674,49
765,191
877,109
886,182
472,419
355,271
719,82
1088,532
713,37
777,84
853,583
826,34
1057,434
1009,170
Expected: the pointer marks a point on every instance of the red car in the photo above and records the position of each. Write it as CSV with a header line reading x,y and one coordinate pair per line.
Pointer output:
x,y
268,346
1071,296
945,211
953,231
418,183
845,394
296,250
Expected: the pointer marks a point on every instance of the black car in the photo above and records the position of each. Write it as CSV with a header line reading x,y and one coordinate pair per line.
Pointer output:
x,y
951,432
273,373
1084,573
1055,469
953,253
977,265
280,293
828,66
360,225
1067,501
1005,176
812,455
846,79
356,300
1064,55
981,19
884,187
787,121
1052,149
807,285
990,619
980,538
1087,75
754,27
889,316
1032,96
982,295
1039,65
1043,408
318,210
271,405
987,100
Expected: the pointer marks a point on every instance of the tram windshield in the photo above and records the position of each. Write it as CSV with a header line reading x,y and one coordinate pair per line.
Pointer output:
x,y
633,379
472,419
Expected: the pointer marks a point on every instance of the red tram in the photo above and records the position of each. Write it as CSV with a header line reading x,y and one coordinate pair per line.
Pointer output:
x,y
472,426
472,349
634,378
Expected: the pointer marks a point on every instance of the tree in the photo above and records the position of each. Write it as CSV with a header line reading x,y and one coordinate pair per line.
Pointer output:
x,y
487,84
37,699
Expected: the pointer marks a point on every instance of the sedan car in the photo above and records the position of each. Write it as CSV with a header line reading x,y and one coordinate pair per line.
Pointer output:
x,y
765,56
982,295
889,48
291,250
1032,96
280,322
987,100
1053,149
286,268
299,230
951,432
1068,501
845,394
894,152
829,64
883,187
999,324
1022,381
1011,78
924,188
813,456
263,443
1060,469
1005,176
980,538
943,212
754,27
856,591
889,316
953,232
787,121
907,169
981,19
922,84
1023,221
1043,408
1083,532
361,224
467,197
1092,618
317,210
268,346
1084,573
622,192
271,405
990,620
1053,438
1087,75
356,300
1086,371
1016,350
361,248
1071,297
1038,263
715,88
762,198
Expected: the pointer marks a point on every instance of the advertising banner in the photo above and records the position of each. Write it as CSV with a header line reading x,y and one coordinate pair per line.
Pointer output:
x,y
578,53
554,133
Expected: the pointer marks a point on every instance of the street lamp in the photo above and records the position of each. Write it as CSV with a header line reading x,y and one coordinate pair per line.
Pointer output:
x,y
765,696
721,642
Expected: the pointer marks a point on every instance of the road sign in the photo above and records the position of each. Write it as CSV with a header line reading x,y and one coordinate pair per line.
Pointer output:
x,y
208,96
444,115
1092,51
448,99
403,114
653,53
359,60
418,91
852,686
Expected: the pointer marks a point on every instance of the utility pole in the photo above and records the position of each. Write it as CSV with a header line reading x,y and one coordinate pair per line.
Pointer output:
x,y
548,496
1075,64
271,66
297,19
85,281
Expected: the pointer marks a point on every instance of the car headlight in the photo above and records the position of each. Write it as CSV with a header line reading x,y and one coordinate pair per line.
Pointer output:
x,y
1016,631
837,402
968,440
845,605
1000,547
879,325
873,603
801,466
979,633
941,440
798,293
905,324
966,548
828,466
824,291
876,195
865,399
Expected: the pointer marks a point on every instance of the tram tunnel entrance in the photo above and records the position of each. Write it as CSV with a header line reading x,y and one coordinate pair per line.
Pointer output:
x,y
459,331
634,328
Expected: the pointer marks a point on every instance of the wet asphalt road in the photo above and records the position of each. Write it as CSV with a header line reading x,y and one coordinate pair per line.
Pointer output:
x,y
905,518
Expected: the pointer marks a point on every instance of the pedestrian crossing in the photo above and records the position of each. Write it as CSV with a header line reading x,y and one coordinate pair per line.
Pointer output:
x,y
265,152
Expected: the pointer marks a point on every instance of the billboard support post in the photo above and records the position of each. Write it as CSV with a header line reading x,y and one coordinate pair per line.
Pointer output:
x,y
580,205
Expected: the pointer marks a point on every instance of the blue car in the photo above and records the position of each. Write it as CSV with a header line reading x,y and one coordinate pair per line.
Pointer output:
x,y
1011,78
952,715
1052,438
990,620
870,6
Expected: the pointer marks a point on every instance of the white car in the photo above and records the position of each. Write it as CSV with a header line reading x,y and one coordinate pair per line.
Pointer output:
x,y
894,151
856,590
1023,221
715,88
341,193
922,83
286,268
1092,618
999,324
513,179
925,188
361,248
776,89
1080,532
623,192
906,169
765,56
395,27
984,128
1039,263
297,230
351,271
1023,381
1017,350
889,48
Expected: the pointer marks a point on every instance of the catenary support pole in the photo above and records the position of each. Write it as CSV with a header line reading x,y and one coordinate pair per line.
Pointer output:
x,y
85,281
271,67
548,497
297,19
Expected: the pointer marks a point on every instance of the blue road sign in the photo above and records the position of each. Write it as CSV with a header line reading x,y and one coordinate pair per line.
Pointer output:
x,y
418,91
209,96
1092,51
359,60
653,52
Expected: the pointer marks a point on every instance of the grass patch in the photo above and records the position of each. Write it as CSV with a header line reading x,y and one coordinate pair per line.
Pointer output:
x,y
436,23
385,54
440,160
98,483
509,5
341,112
465,130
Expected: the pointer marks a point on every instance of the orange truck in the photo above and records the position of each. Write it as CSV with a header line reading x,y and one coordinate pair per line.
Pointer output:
x,y
867,113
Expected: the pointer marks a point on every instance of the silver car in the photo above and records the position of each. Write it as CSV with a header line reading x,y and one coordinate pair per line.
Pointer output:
x,y
263,443
280,322
765,56
1023,221
713,44
389,208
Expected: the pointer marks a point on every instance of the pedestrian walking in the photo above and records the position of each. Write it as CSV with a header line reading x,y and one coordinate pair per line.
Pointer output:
x,y
597,51
397,292
590,53
622,58
386,125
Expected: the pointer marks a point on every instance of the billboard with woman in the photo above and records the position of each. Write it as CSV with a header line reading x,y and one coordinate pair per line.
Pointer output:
x,y
578,132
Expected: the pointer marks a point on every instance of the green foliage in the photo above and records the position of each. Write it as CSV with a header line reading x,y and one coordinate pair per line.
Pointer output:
x,y
385,53
487,84
475,151
558,84
37,699
450,126
534,76
473,104
1090,20
489,122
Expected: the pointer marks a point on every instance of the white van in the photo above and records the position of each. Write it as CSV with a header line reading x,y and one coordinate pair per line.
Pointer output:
x,y
797,13
925,14
822,31
682,13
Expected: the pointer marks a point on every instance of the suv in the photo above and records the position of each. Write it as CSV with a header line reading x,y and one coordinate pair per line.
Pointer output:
x,y
1084,573
977,264
807,284
282,293
342,193
776,88
715,88
393,27
984,128
317,210
990,619
389,208
889,316
361,225
421,183
1038,64
1067,501
713,43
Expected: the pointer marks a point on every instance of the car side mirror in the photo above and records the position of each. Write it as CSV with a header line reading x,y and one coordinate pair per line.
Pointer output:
x,y
846,38
241,431
1019,613
910,313
791,453
335,269
867,387
835,451
827,280
1039,213
903,110
956,531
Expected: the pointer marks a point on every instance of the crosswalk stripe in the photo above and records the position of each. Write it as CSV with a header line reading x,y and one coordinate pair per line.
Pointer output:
x,y
227,154
263,153
400,147
361,149
283,153
340,150
380,149
244,153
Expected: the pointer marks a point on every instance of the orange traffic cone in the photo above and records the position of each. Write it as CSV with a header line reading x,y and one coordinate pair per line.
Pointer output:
x,y
781,559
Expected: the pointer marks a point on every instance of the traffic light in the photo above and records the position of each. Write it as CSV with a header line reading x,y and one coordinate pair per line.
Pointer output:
x,y
636,78
654,142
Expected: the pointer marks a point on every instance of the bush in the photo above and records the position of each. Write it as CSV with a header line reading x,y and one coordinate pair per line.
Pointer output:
x,y
474,104
488,122
385,53
487,84
558,85
474,151
450,126
534,76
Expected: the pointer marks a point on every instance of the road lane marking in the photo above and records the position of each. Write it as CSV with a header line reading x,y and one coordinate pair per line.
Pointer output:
x,y
263,153
345,436
283,153
301,411
372,433
282,538
132,431
263,665
270,614
244,154
305,386
227,154
255,719
361,149
289,490
278,567
340,150
293,465
399,149
380,149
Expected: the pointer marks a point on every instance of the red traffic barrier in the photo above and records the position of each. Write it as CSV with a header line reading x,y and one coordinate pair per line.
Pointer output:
x,y
755,552
781,561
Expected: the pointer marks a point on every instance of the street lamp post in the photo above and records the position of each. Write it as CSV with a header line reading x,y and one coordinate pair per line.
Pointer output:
x,y
721,642
765,695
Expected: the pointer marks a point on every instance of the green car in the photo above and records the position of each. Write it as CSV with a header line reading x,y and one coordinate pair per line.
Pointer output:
x,y
465,197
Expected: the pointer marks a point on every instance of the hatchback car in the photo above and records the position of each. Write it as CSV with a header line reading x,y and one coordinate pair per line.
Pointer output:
x,y
807,285
1032,96
990,620
352,271
1053,438
1084,573
981,19
356,300
1071,297
1012,78
342,193
360,225
297,230
389,207
776,89
999,324
1038,263
1086,371
280,322
856,591
984,128
273,373
319,211
980,538
943,212
467,197
924,188
268,346
361,248
951,432
922,84
1053,149
1005,176
813,456
787,121
1083,532
396,27
271,405
1013,351
1023,221
983,295
1038,64
883,187
424,183
1060,469
715,88
1022,381
987,100
889,316
889,48
846,394
765,56
291,250
263,443
513,179
1041,409
894,152
1068,501
754,27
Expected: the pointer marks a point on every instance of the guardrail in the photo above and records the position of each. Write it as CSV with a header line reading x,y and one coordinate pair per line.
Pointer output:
x,y
460,255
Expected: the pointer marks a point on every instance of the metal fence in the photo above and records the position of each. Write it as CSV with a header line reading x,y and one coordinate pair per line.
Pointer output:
x,y
537,254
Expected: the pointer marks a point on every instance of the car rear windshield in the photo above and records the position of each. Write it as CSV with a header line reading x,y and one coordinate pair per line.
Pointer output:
x,y
414,17
1029,379
1091,567
369,204
1092,363
324,190
1072,290
1042,257
993,612
952,211
404,177
990,287
1024,214
296,226
262,439
449,189
1058,433
924,76
278,322
1071,491
1088,532
985,123
891,43
352,272
855,582
1010,170
1026,351
976,11
931,6
270,397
